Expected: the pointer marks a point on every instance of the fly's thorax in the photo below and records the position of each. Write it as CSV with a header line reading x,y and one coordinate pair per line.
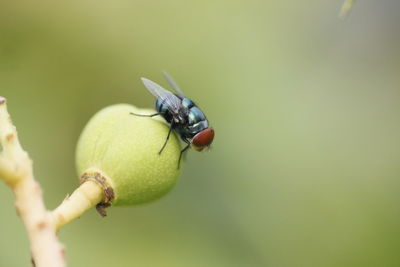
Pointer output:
x,y
195,116
187,103
197,127
196,121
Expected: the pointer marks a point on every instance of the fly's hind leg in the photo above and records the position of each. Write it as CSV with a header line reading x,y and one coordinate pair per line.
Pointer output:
x,y
145,115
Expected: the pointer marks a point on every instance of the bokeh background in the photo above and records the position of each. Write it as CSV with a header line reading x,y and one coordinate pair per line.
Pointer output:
x,y
305,165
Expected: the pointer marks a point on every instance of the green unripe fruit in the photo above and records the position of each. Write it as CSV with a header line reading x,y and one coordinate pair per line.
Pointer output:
x,y
122,150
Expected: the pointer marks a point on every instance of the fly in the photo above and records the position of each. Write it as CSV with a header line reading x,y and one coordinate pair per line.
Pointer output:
x,y
182,114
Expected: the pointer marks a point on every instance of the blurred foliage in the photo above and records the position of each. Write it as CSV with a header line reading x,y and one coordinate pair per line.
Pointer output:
x,y
304,169
346,7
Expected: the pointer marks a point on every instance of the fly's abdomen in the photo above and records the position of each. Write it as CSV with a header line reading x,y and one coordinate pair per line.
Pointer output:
x,y
162,107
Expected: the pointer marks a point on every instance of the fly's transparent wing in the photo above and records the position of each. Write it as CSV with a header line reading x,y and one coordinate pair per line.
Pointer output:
x,y
173,102
173,84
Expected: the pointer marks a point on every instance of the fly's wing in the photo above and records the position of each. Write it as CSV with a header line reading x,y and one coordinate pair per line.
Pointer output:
x,y
173,84
173,102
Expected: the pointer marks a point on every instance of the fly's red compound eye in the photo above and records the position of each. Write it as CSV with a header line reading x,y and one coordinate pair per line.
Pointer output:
x,y
203,139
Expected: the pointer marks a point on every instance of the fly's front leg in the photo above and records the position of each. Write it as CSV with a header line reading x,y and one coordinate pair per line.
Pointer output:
x,y
166,141
183,150
152,115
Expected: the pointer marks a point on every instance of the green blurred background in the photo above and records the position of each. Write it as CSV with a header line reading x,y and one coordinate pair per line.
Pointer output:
x,y
304,169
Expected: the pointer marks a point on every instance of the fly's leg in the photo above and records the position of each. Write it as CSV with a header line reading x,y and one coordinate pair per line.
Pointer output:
x,y
180,155
145,115
183,150
166,140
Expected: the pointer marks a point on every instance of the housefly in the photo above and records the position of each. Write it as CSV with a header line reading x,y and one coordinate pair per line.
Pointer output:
x,y
182,114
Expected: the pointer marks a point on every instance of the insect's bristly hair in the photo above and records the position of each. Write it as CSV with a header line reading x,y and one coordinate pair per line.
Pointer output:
x,y
207,149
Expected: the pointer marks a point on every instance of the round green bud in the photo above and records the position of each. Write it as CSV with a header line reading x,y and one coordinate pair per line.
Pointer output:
x,y
121,152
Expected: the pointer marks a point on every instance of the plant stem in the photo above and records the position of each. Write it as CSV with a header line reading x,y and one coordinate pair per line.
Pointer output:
x,y
86,196
17,172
